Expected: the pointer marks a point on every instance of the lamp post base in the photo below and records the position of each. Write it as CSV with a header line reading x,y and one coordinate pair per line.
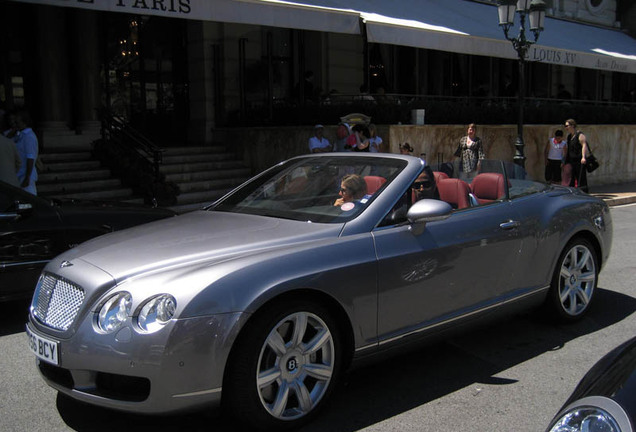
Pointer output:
x,y
519,157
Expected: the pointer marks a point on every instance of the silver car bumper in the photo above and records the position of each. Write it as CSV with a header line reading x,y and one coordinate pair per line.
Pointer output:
x,y
177,368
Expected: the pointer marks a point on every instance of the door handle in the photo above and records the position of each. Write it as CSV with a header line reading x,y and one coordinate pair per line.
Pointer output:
x,y
509,225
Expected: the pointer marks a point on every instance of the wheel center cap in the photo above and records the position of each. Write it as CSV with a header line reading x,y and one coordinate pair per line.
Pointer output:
x,y
292,364
572,279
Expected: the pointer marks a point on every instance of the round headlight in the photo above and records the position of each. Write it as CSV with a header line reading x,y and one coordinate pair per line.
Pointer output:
x,y
114,312
588,419
156,312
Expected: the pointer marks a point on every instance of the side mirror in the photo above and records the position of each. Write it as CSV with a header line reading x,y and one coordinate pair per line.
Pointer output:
x,y
427,210
18,210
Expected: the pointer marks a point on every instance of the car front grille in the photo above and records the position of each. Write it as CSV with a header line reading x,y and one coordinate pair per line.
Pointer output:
x,y
57,301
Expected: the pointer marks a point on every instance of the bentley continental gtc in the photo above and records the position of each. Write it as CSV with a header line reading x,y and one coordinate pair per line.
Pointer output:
x,y
259,302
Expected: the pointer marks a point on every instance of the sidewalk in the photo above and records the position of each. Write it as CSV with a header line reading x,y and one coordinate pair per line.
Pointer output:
x,y
615,194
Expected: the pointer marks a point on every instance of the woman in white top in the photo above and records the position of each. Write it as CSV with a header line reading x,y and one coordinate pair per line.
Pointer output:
x,y
555,151
374,141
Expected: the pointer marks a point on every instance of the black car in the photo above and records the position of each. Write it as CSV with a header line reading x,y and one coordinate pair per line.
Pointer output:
x,y
605,399
33,230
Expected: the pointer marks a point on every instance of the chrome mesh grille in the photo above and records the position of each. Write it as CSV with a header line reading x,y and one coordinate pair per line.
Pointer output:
x,y
57,302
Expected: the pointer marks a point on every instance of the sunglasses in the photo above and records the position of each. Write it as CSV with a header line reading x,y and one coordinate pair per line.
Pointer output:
x,y
424,184
344,190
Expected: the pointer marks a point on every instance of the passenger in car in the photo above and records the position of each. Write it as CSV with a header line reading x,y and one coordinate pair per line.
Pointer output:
x,y
352,188
424,186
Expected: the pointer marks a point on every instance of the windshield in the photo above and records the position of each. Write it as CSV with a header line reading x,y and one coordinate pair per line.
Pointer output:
x,y
314,189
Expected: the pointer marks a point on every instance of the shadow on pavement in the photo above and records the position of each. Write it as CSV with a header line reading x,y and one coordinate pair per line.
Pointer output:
x,y
13,316
374,393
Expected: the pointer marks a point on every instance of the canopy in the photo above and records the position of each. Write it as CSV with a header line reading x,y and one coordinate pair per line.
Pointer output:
x,y
460,26
470,27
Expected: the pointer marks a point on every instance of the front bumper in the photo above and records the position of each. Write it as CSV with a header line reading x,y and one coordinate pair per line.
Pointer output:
x,y
175,369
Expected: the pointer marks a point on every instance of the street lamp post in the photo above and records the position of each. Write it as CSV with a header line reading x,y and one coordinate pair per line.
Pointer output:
x,y
535,11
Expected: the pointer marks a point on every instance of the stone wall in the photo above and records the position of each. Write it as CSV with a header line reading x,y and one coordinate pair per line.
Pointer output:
x,y
613,145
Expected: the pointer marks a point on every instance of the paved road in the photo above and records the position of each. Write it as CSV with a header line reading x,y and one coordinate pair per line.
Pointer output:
x,y
511,376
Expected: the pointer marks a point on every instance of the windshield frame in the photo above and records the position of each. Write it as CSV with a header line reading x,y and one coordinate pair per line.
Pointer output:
x,y
267,193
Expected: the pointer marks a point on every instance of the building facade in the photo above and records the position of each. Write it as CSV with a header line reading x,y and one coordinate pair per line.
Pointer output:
x,y
180,69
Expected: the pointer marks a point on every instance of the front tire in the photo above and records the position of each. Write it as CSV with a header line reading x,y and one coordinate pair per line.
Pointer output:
x,y
574,281
284,367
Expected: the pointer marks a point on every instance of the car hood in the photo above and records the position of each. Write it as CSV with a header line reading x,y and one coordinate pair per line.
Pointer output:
x,y
113,216
200,236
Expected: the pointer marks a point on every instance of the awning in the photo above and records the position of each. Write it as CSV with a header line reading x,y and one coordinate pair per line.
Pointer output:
x,y
447,25
472,28
285,15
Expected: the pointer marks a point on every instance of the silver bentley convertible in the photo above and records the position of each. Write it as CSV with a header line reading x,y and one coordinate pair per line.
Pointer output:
x,y
260,301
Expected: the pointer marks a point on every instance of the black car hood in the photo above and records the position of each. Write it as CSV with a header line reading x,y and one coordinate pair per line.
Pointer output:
x,y
614,376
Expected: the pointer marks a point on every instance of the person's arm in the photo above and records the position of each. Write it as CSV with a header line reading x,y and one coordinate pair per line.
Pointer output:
x,y
29,169
583,142
546,151
329,147
458,152
482,155
564,154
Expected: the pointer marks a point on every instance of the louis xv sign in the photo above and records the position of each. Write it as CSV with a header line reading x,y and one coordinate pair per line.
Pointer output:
x,y
579,59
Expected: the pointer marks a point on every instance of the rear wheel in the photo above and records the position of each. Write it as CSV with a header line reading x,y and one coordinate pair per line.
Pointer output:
x,y
574,281
285,366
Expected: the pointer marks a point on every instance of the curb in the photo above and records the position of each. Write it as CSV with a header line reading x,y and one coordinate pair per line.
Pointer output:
x,y
619,201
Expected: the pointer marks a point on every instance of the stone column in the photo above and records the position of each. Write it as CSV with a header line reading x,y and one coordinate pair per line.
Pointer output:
x,y
86,69
52,63
201,36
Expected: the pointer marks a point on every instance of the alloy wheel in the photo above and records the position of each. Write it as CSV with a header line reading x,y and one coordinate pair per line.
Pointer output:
x,y
295,366
577,280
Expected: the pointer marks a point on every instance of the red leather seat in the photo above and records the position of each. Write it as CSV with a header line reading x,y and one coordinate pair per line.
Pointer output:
x,y
439,176
488,187
455,192
374,183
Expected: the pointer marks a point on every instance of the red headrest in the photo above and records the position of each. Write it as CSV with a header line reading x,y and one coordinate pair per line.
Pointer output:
x,y
488,187
455,192
439,176
374,183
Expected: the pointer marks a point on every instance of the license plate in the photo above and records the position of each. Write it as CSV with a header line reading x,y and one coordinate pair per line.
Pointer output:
x,y
44,349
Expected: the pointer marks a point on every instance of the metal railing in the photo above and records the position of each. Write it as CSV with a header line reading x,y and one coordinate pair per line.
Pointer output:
x,y
116,131
135,160
397,108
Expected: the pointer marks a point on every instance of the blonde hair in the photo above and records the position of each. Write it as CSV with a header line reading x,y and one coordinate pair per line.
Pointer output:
x,y
372,130
355,184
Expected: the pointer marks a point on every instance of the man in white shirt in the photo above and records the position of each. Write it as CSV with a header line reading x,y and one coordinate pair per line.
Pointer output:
x,y
318,143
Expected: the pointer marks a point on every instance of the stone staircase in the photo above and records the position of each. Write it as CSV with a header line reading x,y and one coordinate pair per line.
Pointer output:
x,y
203,173
70,171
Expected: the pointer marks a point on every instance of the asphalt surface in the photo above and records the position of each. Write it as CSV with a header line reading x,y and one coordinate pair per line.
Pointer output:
x,y
513,375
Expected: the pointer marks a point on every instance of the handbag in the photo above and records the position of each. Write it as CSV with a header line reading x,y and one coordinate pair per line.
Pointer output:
x,y
591,163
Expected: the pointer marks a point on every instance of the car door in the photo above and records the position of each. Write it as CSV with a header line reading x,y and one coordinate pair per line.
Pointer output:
x,y
452,267
31,233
